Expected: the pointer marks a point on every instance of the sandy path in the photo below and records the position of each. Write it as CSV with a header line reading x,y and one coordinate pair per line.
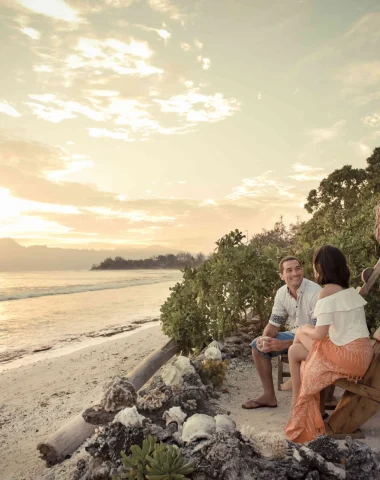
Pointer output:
x,y
37,399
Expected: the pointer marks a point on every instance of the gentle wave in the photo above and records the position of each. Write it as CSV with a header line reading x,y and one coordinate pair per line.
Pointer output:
x,y
70,289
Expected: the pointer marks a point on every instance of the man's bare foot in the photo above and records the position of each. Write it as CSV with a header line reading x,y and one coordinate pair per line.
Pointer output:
x,y
260,402
286,386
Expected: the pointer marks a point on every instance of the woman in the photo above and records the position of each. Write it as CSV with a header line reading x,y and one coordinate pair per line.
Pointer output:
x,y
337,347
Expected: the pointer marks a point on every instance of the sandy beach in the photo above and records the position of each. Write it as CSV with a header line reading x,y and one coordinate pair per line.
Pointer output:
x,y
36,399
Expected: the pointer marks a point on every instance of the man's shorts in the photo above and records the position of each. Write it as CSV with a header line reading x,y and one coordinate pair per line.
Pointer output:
x,y
280,336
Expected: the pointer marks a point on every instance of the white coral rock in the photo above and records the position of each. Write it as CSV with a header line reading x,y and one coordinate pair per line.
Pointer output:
x,y
224,423
174,415
217,344
197,427
213,353
269,444
129,417
183,364
172,375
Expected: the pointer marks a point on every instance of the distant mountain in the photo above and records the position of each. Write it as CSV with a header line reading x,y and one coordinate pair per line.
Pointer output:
x,y
15,257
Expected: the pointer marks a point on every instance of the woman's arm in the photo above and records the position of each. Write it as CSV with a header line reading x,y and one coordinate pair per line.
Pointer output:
x,y
315,333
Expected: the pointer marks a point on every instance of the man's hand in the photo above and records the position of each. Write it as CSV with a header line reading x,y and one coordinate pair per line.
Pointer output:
x,y
270,345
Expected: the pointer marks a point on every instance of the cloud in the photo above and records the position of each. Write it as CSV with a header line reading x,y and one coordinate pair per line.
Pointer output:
x,y
306,173
361,74
206,62
43,68
198,44
166,7
208,202
75,213
85,6
54,110
260,189
73,166
197,107
57,9
185,46
320,135
6,108
31,32
372,120
119,134
161,32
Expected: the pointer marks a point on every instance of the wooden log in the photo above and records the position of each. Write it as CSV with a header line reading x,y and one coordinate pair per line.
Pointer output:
x,y
63,443
354,410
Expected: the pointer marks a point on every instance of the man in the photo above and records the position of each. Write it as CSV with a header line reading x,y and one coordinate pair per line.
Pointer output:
x,y
294,304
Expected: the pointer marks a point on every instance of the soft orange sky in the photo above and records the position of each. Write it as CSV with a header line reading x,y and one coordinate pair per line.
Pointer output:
x,y
171,122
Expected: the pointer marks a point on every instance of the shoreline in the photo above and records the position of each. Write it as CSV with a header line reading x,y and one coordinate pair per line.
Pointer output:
x,y
37,399
58,350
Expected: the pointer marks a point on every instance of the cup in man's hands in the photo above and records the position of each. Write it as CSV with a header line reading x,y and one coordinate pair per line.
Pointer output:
x,y
262,344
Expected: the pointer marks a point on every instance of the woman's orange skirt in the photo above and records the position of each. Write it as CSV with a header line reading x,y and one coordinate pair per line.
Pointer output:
x,y
325,363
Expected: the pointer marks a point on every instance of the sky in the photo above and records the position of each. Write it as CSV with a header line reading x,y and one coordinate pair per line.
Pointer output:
x,y
172,122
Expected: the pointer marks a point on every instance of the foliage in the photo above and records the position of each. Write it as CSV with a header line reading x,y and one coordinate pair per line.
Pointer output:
x,y
240,278
213,299
181,260
154,461
213,371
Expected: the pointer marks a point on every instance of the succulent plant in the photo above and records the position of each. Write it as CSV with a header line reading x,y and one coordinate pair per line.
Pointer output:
x,y
154,461
167,463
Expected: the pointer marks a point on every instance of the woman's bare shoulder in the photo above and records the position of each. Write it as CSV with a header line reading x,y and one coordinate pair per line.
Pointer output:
x,y
329,290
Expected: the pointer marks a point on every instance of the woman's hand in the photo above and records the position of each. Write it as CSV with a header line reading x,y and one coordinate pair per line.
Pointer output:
x,y
316,333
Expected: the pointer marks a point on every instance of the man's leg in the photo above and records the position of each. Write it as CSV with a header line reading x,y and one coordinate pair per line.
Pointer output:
x,y
263,363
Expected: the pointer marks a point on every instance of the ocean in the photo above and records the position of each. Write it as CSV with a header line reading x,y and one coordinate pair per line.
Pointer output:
x,y
46,314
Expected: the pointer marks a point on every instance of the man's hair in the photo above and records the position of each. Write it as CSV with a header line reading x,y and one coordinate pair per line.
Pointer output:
x,y
287,259
331,266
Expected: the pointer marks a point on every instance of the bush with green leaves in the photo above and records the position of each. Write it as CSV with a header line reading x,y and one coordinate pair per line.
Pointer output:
x,y
154,461
213,299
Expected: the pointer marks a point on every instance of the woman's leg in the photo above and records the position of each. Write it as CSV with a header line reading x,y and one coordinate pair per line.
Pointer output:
x,y
297,354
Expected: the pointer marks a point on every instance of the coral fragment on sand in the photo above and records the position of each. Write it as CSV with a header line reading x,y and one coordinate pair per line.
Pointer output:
x,y
152,400
197,427
118,394
130,417
174,415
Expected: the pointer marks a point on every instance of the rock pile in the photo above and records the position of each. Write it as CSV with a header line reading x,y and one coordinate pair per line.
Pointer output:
x,y
180,410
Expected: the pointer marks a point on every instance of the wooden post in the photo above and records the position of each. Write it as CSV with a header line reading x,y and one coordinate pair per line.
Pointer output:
x,y
63,443
371,279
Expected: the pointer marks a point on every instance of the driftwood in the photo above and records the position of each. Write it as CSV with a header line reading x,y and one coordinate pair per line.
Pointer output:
x,y
63,443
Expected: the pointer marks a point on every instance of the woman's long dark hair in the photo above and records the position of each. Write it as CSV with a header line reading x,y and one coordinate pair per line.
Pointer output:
x,y
331,266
